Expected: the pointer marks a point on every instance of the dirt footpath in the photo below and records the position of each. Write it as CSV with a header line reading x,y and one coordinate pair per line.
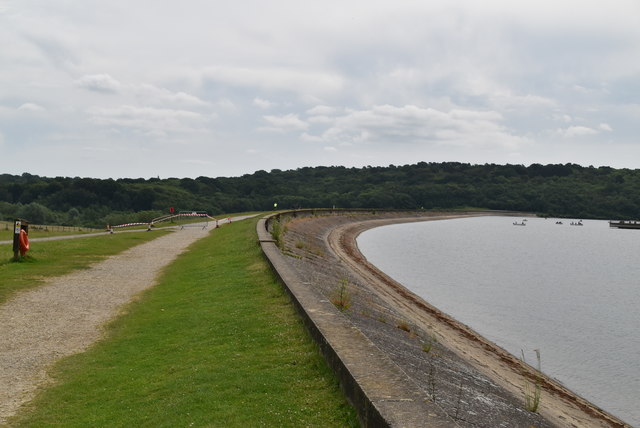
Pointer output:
x,y
66,315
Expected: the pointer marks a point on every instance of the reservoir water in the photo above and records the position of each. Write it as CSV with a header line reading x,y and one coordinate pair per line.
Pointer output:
x,y
573,292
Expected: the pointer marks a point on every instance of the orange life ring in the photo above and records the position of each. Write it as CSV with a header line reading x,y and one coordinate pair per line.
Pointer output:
x,y
24,242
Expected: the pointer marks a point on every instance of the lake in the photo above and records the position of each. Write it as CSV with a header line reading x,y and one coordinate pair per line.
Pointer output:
x,y
573,292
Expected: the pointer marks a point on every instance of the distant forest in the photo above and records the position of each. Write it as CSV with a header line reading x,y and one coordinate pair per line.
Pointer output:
x,y
554,190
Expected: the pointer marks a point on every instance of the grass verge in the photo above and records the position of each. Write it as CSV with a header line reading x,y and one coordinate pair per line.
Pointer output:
x,y
215,343
55,258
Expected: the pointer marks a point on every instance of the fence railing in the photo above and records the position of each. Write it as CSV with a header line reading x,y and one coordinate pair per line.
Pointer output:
x,y
171,217
50,228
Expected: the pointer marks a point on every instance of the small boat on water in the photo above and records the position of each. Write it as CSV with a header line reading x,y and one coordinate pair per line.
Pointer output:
x,y
558,222
577,223
515,223
625,224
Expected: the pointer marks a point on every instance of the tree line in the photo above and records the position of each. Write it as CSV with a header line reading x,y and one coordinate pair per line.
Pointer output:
x,y
560,190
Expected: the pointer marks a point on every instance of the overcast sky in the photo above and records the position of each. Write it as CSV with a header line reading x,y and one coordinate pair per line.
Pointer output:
x,y
199,87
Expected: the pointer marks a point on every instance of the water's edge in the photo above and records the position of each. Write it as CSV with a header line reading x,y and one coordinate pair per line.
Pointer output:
x,y
382,269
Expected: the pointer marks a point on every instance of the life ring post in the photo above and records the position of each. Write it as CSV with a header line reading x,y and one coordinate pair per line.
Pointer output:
x,y
20,238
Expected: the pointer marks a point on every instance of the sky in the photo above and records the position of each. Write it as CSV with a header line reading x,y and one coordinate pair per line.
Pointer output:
x,y
210,88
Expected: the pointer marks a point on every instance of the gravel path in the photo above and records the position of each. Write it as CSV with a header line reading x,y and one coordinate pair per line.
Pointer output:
x,y
65,316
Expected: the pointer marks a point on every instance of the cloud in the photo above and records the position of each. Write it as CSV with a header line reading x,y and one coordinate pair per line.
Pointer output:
x,y
582,90
56,47
387,124
31,107
576,131
226,104
307,83
322,111
151,94
198,162
186,99
321,119
562,118
312,138
448,80
262,103
99,83
323,114
149,120
509,101
286,123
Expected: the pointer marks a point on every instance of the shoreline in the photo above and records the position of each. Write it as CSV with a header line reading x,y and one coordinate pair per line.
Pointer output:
x,y
502,366
559,405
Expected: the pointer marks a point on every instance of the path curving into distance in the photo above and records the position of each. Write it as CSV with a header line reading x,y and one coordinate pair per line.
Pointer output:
x,y
65,316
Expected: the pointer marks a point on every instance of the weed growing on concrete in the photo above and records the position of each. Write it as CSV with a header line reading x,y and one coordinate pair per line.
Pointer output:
x,y
341,297
402,325
278,229
290,254
532,390
318,252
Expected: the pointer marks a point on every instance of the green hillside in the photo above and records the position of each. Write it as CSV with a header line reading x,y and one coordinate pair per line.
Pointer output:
x,y
557,190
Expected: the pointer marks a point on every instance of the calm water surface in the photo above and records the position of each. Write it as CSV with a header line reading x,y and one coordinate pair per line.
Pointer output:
x,y
573,292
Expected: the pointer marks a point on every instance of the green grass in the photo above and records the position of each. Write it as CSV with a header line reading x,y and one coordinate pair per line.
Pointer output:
x,y
215,343
55,258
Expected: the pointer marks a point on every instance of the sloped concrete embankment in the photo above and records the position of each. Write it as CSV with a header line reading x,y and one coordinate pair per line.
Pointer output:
x,y
378,389
383,370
